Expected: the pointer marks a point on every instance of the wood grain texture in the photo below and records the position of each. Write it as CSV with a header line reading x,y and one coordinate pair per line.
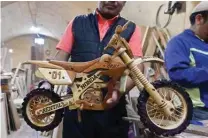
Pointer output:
x,y
74,66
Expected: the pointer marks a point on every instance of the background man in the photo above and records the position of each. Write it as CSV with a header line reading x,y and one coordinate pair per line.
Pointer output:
x,y
186,60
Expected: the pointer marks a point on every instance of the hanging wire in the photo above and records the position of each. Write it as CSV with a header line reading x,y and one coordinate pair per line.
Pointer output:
x,y
32,14
157,18
34,17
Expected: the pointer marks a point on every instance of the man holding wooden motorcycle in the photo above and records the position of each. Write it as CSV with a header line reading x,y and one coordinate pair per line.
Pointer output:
x,y
84,39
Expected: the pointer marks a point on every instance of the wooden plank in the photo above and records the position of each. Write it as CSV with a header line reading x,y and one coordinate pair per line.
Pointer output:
x,y
157,43
199,130
29,79
144,38
23,84
166,33
192,130
10,115
4,124
7,114
17,83
14,115
162,38
151,45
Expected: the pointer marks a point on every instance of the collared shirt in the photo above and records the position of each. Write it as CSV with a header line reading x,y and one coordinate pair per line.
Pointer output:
x,y
67,40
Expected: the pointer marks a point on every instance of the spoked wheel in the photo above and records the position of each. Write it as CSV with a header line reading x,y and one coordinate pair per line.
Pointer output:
x,y
154,118
36,99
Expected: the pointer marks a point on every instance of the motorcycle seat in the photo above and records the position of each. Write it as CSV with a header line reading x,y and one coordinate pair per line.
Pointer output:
x,y
74,66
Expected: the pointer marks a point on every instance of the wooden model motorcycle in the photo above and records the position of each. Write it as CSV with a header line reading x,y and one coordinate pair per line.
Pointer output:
x,y
164,107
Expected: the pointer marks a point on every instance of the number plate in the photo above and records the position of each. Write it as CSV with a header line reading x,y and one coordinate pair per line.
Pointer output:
x,y
56,76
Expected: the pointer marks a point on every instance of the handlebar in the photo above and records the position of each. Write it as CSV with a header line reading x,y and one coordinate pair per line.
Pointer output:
x,y
117,39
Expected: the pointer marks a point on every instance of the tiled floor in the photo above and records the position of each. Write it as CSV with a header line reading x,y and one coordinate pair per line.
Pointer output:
x,y
188,135
25,131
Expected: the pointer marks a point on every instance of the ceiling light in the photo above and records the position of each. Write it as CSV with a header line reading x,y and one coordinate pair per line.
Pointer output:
x,y
39,41
10,50
35,29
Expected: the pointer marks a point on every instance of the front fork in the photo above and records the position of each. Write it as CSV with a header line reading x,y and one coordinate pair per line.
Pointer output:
x,y
139,79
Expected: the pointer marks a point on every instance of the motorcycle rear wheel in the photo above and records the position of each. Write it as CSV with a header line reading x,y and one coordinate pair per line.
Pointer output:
x,y
39,98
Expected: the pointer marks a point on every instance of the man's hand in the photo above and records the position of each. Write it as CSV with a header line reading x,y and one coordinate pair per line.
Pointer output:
x,y
114,99
61,55
113,95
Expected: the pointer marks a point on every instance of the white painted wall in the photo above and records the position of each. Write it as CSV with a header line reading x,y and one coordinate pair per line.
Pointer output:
x,y
53,16
144,13
22,48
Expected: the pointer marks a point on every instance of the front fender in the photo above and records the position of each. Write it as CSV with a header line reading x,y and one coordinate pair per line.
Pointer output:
x,y
149,59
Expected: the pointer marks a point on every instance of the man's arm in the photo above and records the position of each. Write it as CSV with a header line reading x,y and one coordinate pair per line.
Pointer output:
x,y
64,46
61,55
177,60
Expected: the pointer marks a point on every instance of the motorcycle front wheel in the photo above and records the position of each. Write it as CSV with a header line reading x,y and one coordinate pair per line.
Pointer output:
x,y
155,119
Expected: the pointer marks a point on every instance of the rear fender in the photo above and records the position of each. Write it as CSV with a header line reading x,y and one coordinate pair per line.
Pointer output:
x,y
43,64
54,74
